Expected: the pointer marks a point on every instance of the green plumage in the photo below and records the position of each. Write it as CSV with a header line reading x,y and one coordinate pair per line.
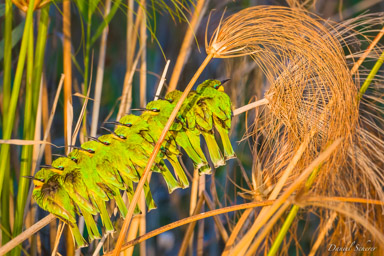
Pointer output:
x,y
103,167
104,162
97,190
212,94
133,128
52,197
197,116
134,159
169,149
70,179
190,142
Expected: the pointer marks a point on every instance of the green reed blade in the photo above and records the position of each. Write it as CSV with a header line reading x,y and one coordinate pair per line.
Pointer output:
x,y
5,220
34,73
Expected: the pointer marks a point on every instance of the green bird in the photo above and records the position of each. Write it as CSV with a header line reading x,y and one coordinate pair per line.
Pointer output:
x,y
193,135
134,158
168,149
196,116
104,162
131,127
212,93
87,195
52,197
70,180
90,179
190,143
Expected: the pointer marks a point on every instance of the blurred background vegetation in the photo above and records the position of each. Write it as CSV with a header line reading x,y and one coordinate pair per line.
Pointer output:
x,y
165,27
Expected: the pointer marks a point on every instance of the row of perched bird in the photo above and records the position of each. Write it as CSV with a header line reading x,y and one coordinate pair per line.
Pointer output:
x,y
98,170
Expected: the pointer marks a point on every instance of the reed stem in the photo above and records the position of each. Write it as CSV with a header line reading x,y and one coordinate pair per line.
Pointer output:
x,y
8,126
26,153
86,63
186,45
23,236
67,66
7,57
143,58
371,75
100,72
34,72
7,73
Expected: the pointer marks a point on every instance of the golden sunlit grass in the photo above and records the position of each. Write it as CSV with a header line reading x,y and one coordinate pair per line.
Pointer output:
x,y
318,132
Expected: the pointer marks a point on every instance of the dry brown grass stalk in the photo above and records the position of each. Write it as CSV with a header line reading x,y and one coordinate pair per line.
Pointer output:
x,y
242,247
200,228
67,65
235,231
186,45
189,233
218,222
353,214
324,230
196,217
193,203
100,73
126,97
143,59
162,81
193,219
26,234
60,230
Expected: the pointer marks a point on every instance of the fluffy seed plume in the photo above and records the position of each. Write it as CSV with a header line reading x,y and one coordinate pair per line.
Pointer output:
x,y
312,101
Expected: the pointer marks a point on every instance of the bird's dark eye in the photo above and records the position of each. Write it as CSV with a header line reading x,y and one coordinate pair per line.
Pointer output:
x,y
155,110
89,150
128,124
106,143
60,167
216,86
74,159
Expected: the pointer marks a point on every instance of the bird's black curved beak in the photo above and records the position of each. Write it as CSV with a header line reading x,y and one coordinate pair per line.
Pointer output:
x,y
59,155
113,122
47,166
224,81
32,178
112,132
76,147
29,177
92,138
